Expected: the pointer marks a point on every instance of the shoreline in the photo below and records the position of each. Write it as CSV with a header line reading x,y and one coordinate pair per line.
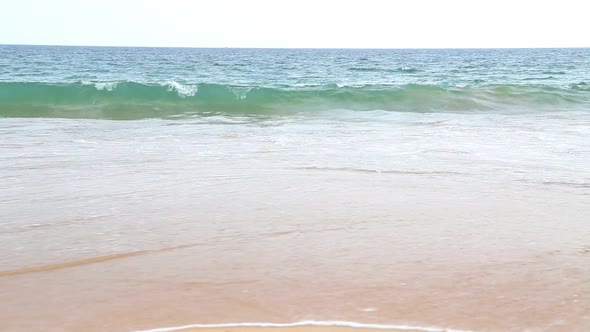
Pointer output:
x,y
428,295
309,325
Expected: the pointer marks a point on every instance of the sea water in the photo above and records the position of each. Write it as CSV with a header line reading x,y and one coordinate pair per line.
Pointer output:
x,y
356,164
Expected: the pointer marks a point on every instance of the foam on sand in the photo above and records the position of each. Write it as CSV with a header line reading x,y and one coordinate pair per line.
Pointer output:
x,y
308,323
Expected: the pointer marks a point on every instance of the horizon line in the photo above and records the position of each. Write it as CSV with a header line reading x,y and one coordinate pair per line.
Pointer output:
x,y
305,48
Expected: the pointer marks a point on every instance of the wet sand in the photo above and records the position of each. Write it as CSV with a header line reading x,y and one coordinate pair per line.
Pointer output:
x,y
549,292
412,249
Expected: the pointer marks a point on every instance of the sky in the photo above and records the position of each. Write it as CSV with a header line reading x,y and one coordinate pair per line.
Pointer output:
x,y
297,23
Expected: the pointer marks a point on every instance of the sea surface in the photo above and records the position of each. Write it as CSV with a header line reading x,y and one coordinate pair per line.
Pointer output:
x,y
177,186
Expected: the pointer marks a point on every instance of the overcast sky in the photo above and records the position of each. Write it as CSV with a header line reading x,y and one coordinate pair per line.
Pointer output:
x,y
297,23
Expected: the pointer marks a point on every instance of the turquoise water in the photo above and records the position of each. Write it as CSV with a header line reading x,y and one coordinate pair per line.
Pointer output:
x,y
135,83
341,176
207,124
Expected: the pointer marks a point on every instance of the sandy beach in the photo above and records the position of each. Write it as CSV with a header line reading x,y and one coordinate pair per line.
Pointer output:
x,y
146,189
264,280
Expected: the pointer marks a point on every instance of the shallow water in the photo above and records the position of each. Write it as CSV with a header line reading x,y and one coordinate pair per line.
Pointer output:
x,y
436,198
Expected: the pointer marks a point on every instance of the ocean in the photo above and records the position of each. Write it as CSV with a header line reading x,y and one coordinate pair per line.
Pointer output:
x,y
370,188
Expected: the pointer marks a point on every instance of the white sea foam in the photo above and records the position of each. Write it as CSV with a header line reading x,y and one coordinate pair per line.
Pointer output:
x,y
107,86
350,85
182,89
307,323
240,92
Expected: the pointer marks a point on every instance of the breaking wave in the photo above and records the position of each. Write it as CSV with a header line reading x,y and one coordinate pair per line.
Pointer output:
x,y
131,100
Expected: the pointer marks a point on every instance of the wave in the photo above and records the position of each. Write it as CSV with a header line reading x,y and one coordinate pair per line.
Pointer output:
x,y
306,323
131,100
385,70
377,171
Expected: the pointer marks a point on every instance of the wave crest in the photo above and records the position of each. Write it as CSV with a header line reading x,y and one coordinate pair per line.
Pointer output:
x,y
137,100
